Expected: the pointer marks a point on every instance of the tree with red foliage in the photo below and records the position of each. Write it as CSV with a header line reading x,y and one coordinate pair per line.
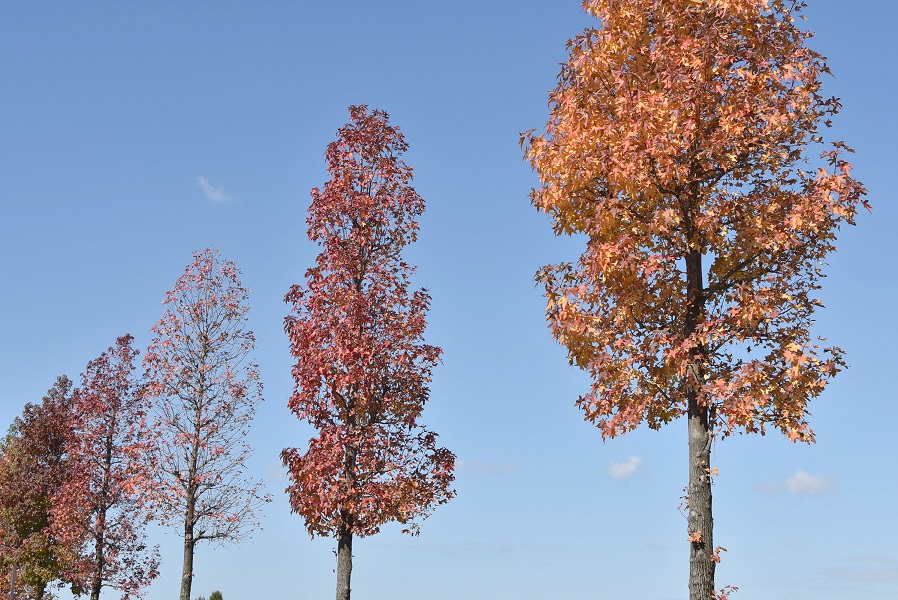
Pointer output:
x,y
206,387
104,500
34,465
680,143
362,368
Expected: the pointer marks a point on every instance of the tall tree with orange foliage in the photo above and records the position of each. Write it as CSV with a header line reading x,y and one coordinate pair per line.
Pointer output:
x,y
682,142
362,368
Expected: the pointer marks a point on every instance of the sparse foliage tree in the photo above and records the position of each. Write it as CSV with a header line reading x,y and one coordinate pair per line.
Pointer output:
x,y
206,387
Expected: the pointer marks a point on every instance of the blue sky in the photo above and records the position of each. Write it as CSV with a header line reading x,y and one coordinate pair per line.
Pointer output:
x,y
133,134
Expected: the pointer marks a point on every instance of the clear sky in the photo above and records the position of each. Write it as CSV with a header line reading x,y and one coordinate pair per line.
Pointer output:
x,y
132,134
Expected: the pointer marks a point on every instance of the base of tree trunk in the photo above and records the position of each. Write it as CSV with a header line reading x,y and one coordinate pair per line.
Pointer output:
x,y
700,520
344,563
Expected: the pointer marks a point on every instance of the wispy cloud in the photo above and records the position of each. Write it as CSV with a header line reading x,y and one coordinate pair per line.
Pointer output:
x,y
276,472
213,192
801,483
624,470
478,467
805,483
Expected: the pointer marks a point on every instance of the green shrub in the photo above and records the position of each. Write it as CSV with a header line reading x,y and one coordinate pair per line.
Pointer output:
x,y
216,595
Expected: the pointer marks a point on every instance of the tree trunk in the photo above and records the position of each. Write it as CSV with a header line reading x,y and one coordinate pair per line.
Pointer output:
x,y
191,491
344,562
96,583
187,569
700,522
189,543
344,532
97,580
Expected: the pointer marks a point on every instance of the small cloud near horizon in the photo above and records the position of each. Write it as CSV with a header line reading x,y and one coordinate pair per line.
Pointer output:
x,y
801,483
624,470
213,192
805,483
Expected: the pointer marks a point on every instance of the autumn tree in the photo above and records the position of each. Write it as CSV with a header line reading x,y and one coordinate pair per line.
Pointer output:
x,y
362,369
683,143
206,387
34,464
103,502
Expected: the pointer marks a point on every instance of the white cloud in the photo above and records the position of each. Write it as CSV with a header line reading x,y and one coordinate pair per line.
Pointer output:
x,y
276,472
478,467
212,192
624,470
805,483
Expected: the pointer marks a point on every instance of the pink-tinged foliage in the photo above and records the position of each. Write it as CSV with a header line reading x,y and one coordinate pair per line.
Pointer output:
x,y
356,331
725,592
691,128
206,387
103,504
34,465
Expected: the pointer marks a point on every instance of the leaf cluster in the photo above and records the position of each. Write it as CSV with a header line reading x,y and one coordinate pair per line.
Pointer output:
x,y
356,331
102,507
35,459
687,133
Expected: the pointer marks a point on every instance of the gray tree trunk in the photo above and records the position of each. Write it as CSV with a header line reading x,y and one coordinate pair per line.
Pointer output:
x,y
347,521
700,522
96,583
187,569
344,562
191,494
